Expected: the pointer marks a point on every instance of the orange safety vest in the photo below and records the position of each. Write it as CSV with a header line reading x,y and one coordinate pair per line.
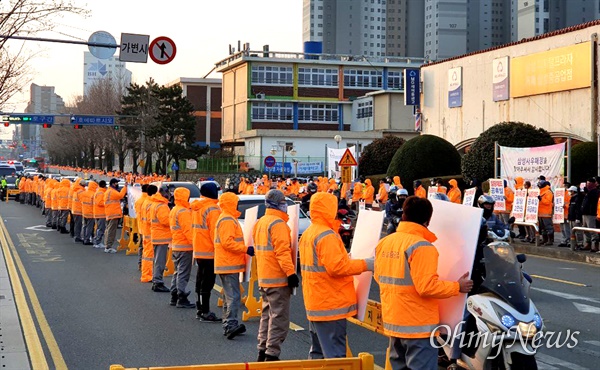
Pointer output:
x,y
160,229
546,205
62,195
273,250
76,207
112,202
406,270
205,213
230,250
180,220
99,209
87,200
138,212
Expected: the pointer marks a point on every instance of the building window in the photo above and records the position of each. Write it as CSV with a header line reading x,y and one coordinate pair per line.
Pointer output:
x,y
274,112
272,75
365,109
394,80
317,77
309,113
362,78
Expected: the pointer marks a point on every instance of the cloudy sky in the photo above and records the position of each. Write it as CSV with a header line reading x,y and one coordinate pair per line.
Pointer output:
x,y
201,30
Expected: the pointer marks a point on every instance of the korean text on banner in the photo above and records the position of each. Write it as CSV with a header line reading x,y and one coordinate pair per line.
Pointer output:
x,y
457,229
530,163
559,206
249,221
366,237
133,194
431,191
469,197
531,210
518,211
497,192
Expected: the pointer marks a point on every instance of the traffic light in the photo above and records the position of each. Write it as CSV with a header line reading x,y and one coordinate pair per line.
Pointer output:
x,y
116,127
77,127
6,124
46,125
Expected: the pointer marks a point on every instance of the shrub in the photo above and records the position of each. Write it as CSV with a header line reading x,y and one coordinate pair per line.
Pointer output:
x,y
584,162
478,163
424,156
376,156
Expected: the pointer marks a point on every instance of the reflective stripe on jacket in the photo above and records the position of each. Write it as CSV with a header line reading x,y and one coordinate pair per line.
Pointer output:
x,y
180,220
62,195
87,200
327,282
406,270
139,218
112,203
160,229
205,213
99,209
230,250
273,248
546,205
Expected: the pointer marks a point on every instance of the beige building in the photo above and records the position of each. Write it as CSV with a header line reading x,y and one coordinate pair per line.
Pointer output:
x,y
544,81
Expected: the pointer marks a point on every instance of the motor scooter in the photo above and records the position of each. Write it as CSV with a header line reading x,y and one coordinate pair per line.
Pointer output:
x,y
503,328
346,229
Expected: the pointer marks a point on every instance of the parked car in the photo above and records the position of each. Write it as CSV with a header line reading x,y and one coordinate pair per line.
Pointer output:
x,y
249,201
172,185
200,183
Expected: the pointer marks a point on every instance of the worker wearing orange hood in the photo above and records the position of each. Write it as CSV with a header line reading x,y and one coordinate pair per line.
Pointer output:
x,y
369,193
454,194
397,182
180,222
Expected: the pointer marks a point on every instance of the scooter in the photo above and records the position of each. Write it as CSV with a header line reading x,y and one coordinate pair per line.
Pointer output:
x,y
504,328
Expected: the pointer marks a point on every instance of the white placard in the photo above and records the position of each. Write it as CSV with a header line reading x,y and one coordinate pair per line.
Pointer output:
x,y
559,206
133,194
431,191
497,192
366,237
469,197
532,204
457,230
518,210
248,228
293,223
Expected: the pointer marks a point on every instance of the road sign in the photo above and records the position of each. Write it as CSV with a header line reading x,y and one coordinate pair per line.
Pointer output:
x,y
93,120
102,37
346,174
270,161
412,92
162,50
134,48
175,167
36,119
347,159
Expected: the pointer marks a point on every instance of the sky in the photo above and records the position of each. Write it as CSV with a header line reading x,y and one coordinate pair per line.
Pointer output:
x,y
201,29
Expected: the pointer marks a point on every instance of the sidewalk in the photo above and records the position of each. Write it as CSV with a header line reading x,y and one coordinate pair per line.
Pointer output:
x,y
555,252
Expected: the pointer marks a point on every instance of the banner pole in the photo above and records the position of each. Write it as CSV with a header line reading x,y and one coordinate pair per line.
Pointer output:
x,y
496,174
569,143
326,162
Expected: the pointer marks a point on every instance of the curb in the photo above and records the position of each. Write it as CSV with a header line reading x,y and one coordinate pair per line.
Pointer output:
x,y
564,254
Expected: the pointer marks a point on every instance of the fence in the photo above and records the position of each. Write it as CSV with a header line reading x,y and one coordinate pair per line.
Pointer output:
x,y
293,166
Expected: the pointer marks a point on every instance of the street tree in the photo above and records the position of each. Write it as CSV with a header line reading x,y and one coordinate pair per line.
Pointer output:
x,y
25,18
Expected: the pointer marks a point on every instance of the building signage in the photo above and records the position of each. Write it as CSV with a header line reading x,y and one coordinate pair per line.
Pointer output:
x,y
559,69
500,78
412,93
455,87
303,168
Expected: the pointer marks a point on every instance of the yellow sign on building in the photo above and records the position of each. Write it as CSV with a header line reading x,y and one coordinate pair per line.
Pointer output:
x,y
560,69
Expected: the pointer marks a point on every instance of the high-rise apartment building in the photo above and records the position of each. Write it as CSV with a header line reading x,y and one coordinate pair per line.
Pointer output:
x,y
435,29
42,100
95,69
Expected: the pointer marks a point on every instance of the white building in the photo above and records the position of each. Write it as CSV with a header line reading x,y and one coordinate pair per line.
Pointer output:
x,y
95,69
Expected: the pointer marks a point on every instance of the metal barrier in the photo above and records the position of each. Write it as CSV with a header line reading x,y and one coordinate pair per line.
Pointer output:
x,y
535,227
580,228
372,321
364,361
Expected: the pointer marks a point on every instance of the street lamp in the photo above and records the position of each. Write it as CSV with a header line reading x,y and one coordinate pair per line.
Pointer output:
x,y
281,146
293,153
337,139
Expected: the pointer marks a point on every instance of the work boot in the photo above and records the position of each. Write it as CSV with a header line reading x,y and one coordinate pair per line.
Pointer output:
x,y
183,301
271,358
160,288
587,247
78,240
63,230
550,240
595,248
54,226
234,331
544,240
261,356
173,298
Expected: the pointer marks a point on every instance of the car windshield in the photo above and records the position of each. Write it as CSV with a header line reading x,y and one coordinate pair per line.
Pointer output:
x,y
7,171
503,276
194,191
11,179
243,205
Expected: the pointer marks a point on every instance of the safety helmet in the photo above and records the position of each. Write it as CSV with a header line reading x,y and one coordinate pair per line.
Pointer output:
x,y
440,196
402,192
485,199
312,187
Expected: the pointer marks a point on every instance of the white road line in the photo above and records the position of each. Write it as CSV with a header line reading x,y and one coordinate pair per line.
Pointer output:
x,y
585,308
549,360
567,295
593,342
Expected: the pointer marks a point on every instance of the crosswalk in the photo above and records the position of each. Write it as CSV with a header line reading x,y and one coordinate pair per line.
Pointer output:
x,y
548,362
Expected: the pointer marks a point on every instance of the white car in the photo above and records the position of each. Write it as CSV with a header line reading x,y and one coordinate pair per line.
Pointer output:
x,y
194,190
249,201
200,183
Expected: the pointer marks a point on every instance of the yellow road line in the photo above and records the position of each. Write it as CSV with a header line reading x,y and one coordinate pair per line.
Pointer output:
x,y
57,358
34,346
558,280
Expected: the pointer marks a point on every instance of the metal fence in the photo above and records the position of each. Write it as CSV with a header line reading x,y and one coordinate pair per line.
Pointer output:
x,y
294,166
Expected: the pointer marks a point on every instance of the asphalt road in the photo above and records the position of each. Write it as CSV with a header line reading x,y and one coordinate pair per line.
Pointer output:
x,y
98,313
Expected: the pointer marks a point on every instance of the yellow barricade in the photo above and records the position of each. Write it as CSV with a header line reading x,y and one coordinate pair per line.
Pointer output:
x,y
170,266
134,237
10,192
372,321
253,304
125,234
364,361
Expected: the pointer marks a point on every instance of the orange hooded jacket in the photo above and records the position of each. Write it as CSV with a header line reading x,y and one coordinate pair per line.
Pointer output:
x,y
62,195
181,221
160,229
273,249
454,194
230,250
87,200
369,193
205,213
112,202
99,209
76,190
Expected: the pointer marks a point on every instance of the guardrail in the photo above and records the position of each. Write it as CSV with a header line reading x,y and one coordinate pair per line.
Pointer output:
x,y
364,361
580,228
535,227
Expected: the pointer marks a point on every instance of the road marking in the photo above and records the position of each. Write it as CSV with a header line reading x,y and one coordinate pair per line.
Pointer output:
x,y
39,228
593,342
567,268
57,358
557,361
567,295
34,345
558,280
587,308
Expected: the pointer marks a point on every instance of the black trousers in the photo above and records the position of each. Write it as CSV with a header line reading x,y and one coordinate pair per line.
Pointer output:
x,y
205,281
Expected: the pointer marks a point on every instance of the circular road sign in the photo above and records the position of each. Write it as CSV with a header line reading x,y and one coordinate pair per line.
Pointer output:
x,y
102,37
162,50
270,161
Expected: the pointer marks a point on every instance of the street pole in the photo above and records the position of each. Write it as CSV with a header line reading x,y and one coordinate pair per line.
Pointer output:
x,y
283,162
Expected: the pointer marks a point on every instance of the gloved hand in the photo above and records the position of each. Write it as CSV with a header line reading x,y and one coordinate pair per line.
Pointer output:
x,y
293,281
250,251
370,264
539,197
511,220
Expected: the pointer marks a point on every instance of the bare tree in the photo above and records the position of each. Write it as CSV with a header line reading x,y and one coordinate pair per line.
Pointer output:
x,y
25,18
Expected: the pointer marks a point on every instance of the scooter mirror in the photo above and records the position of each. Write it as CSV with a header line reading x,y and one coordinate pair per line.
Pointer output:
x,y
521,258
